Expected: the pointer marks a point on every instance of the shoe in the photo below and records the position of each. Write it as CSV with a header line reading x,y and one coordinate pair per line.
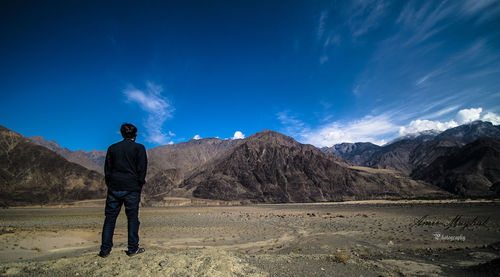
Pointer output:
x,y
102,254
133,253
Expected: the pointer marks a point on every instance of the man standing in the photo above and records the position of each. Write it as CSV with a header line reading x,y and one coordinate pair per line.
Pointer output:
x,y
125,174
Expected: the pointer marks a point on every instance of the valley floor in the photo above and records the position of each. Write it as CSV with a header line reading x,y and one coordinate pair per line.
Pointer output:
x,y
364,238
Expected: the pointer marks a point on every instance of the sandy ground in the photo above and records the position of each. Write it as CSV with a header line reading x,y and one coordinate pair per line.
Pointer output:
x,y
363,238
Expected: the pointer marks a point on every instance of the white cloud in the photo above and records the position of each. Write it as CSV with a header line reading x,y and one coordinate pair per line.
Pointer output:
x,y
469,115
491,117
238,135
463,116
419,125
170,143
156,106
197,137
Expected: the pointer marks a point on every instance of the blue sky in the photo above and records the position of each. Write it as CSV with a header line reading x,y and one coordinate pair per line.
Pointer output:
x,y
322,72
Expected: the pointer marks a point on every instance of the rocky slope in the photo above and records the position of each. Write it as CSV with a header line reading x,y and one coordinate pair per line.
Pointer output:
x,y
471,170
169,165
357,153
33,174
395,156
185,156
93,160
271,167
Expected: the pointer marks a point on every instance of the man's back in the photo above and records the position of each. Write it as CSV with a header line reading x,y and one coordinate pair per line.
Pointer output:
x,y
125,166
125,172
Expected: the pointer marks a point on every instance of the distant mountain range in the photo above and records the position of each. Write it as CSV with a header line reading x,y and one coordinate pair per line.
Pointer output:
x,y
357,153
93,160
419,155
414,151
268,167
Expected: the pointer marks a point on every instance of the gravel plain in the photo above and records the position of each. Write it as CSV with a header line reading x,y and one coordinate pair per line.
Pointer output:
x,y
362,238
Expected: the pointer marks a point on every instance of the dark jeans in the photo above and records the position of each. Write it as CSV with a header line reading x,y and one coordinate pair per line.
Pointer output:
x,y
114,202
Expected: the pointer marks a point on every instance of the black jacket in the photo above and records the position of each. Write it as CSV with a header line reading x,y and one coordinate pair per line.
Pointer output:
x,y
125,166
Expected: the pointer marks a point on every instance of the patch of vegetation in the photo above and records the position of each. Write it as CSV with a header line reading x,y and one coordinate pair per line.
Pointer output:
x,y
340,256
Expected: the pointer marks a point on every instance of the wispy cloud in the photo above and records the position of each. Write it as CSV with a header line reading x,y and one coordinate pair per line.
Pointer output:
x,y
323,59
332,39
156,106
291,124
477,57
375,129
321,24
418,64
365,16
359,18
425,19
472,7
422,21
441,112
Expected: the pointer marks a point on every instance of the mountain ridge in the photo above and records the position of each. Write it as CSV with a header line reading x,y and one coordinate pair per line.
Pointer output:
x,y
471,170
33,174
269,167
407,154
93,160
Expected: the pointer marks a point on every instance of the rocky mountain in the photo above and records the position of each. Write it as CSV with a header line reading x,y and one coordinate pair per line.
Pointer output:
x,y
420,136
417,151
169,165
471,170
185,156
33,174
271,167
93,160
395,156
470,132
357,153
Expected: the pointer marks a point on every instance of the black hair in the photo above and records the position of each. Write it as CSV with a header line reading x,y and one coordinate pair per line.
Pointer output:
x,y
128,130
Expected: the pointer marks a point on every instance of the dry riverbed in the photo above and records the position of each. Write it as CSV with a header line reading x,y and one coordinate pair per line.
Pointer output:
x,y
364,238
